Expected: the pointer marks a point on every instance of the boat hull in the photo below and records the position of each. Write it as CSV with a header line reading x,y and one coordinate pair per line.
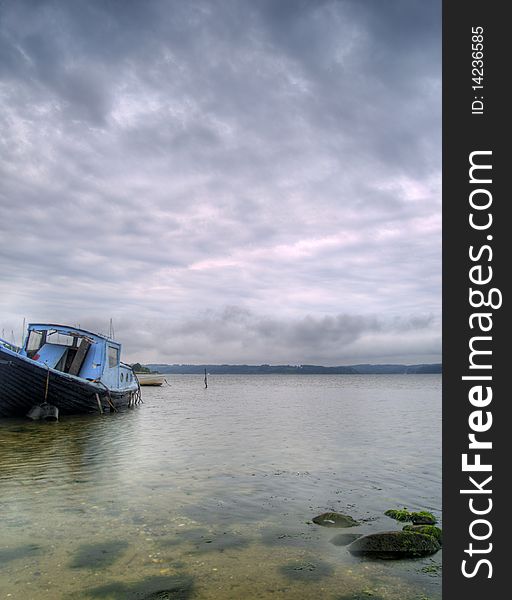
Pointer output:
x,y
154,379
25,383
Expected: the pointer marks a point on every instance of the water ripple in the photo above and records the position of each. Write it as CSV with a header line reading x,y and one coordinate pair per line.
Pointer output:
x,y
234,472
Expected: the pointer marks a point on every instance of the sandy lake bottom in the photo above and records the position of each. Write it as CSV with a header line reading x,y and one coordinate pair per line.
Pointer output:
x,y
210,493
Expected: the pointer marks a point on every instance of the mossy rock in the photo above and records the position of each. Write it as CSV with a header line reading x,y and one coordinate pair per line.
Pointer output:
x,y
418,518
399,515
423,518
426,530
394,545
334,519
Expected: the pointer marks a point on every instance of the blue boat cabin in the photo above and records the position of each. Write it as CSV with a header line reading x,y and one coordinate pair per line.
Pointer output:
x,y
79,353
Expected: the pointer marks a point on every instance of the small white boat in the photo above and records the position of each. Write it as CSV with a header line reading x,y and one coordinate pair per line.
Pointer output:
x,y
150,378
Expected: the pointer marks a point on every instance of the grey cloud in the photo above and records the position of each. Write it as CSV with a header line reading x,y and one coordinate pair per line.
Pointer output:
x,y
235,334
167,157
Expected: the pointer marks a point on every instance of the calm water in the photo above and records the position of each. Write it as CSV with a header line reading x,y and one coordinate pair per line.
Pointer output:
x,y
210,493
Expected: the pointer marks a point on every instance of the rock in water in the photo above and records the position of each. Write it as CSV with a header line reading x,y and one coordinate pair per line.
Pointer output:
x,y
398,515
426,530
418,518
394,545
344,539
423,518
333,519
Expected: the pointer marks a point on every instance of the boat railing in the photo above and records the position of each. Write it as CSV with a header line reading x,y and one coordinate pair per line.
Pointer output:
x,y
10,346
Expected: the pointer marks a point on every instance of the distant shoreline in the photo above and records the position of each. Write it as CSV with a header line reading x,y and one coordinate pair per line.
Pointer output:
x,y
362,369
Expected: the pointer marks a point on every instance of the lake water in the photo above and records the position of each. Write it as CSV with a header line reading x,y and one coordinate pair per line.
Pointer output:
x,y
209,493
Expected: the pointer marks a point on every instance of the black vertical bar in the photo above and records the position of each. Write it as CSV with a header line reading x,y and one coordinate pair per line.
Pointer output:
x,y
475,120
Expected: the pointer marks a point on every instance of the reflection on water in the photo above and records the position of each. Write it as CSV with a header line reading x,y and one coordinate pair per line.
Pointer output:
x,y
210,493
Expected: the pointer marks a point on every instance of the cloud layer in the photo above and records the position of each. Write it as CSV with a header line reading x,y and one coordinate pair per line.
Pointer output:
x,y
229,181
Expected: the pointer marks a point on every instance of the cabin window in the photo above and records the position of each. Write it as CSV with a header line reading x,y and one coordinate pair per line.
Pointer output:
x,y
122,377
113,357
63,339
34,342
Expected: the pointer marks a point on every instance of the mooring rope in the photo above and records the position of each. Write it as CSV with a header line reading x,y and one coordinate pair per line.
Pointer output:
x,y
47,383
138,393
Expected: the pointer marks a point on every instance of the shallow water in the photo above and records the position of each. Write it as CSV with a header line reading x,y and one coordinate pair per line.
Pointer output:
x,y
210,493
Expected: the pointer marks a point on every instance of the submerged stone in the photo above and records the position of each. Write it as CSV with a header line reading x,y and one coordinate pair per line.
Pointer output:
x,y
173,594
426,530
8,554
174,587
307,571
395,545
98,556
344,539
334,519
363,595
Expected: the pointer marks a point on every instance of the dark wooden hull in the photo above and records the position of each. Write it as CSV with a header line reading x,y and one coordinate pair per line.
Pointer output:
x,y
23,385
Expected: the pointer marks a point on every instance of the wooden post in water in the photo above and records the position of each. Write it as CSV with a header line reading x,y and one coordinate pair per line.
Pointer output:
x,y
205,380
99,404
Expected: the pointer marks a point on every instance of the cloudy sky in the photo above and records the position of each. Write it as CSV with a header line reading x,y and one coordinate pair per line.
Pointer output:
x,y
229,181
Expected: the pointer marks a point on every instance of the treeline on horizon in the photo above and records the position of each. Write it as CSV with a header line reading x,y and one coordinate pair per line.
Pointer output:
x,y
365,369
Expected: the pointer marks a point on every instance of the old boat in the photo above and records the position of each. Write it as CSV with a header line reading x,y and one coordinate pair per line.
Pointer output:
x,y
70,369
150,378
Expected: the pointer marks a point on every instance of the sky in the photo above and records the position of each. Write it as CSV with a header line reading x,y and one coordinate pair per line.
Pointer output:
x,y
231,181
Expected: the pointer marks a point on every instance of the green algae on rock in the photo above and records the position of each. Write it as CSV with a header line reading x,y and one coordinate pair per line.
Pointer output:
x,y
334,519
394,545
423,518
426,530
418,518
399,515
